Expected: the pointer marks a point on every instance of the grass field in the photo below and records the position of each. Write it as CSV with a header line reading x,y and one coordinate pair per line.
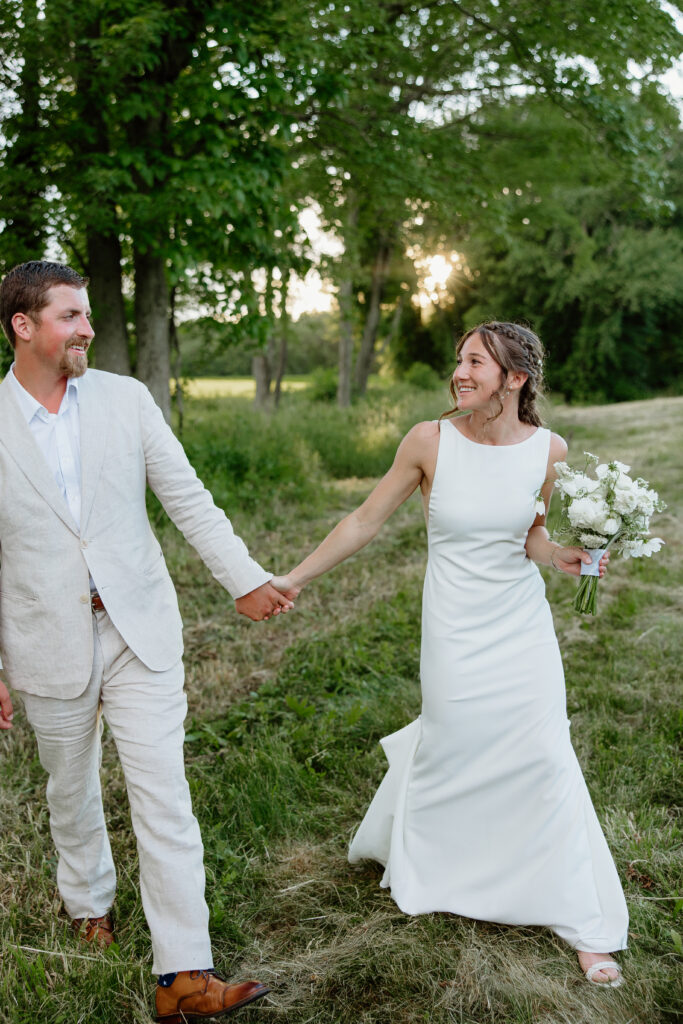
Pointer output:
x,y
283,755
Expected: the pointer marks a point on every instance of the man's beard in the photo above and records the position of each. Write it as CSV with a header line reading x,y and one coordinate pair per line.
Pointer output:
x,y
73,366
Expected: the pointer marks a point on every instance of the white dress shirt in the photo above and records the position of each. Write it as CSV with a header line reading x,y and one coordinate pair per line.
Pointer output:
x,y
58,437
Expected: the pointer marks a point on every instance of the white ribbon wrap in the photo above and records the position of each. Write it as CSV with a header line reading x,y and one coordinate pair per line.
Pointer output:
x,y
594,568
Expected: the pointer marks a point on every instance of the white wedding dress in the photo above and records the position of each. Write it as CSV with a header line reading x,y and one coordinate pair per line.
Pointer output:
x,y
483,811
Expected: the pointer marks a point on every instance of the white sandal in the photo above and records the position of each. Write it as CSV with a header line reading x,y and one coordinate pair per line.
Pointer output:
x,y
601,966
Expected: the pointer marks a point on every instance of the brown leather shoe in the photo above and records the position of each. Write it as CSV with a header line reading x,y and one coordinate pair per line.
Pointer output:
x,y
196,995
99,930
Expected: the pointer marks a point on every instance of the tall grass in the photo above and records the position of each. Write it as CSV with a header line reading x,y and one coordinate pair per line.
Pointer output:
x,y
283,757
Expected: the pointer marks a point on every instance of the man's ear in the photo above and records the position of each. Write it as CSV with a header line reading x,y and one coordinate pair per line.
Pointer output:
x,y
22,324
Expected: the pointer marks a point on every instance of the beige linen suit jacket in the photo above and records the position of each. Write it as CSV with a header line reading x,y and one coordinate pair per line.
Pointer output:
x,y
46,635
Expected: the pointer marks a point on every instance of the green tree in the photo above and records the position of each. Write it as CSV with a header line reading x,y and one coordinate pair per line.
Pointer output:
x,y
164,139
407,129
587,247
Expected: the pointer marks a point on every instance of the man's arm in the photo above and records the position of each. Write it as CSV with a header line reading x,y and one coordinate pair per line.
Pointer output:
x,y
206,527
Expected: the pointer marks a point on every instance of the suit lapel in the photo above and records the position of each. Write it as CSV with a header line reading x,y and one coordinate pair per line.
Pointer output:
x,y
94,425
16,437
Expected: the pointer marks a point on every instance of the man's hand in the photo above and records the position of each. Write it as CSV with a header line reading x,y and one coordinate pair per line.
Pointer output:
x,y
6,710
263,602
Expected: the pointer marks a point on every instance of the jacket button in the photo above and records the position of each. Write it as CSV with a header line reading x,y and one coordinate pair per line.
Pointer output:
x,y
84,543
84,599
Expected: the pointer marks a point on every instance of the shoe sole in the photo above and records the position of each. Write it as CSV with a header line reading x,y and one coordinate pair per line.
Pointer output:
x,y
190,1018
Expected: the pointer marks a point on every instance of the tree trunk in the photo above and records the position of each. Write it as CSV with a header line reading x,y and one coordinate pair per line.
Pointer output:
x,y
284,339
151,323
346,303
261,369
372,316
345,340
394,325
104,269
177,365
262,364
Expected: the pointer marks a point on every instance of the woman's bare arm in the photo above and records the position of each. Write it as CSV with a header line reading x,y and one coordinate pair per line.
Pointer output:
x,y
360,526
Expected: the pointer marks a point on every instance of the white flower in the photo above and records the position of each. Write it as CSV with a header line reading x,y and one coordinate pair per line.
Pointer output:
x,y
611,526
625,500
641,548
592,540
588,513
539,507
619,466
591,457
577,484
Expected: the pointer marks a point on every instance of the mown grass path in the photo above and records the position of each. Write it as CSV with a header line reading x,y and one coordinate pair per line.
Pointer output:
x,y
283,759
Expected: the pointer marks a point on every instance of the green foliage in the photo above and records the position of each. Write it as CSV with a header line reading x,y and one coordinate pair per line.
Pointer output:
x,y
245,460
323,384
422,376
583,252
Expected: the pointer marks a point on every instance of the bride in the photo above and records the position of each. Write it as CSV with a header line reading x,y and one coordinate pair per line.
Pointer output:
x,y
484,811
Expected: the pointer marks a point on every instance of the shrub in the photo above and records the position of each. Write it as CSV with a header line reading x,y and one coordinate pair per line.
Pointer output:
x,y
323,385
421,376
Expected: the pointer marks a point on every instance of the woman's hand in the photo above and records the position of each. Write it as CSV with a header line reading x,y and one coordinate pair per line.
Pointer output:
x,y
287,586
569,560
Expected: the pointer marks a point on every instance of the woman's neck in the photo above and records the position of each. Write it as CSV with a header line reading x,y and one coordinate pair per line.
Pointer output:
x,y
506,428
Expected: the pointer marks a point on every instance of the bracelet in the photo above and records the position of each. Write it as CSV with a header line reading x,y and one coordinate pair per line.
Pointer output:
x,y
552,561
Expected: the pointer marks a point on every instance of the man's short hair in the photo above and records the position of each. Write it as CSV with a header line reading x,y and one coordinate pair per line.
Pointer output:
x,y
25,290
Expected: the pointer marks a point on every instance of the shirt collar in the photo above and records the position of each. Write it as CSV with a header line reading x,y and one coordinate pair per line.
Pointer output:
x,y
31,407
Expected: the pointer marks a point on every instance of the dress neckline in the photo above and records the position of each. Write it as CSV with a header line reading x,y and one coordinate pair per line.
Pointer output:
x,y
480,444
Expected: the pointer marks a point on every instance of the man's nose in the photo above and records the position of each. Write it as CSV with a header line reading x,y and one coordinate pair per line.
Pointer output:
x,y
85,328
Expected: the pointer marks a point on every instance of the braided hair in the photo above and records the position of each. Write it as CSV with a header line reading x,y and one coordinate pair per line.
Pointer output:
x,y
516,349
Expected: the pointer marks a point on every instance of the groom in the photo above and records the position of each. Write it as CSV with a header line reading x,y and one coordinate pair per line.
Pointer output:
x,y
89,622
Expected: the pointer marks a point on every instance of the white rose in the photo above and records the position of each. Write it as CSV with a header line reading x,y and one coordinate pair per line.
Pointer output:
x,y
588,513
646,501
611,526
625,500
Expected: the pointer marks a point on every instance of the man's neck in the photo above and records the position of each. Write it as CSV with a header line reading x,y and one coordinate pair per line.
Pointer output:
x,y
49,391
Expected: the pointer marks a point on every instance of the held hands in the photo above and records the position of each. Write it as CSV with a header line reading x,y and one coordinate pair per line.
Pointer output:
x,y
6,709
569,560
287,586
263,602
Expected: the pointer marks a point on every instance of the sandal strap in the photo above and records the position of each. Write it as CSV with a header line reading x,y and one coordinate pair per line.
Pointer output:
x,y
601,966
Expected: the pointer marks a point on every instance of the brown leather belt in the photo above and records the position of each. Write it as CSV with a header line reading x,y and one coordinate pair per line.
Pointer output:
x,y
96,602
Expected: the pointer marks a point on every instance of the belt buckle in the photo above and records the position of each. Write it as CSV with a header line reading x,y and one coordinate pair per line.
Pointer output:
x,y
96,602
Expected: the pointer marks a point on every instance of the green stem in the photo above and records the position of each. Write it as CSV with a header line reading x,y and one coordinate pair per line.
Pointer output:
x,y
585,602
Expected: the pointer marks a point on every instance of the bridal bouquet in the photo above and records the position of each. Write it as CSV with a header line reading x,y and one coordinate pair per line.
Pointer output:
x,y
609,510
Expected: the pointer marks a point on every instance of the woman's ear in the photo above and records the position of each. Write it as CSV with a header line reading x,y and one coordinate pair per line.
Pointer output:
x,y
516,380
